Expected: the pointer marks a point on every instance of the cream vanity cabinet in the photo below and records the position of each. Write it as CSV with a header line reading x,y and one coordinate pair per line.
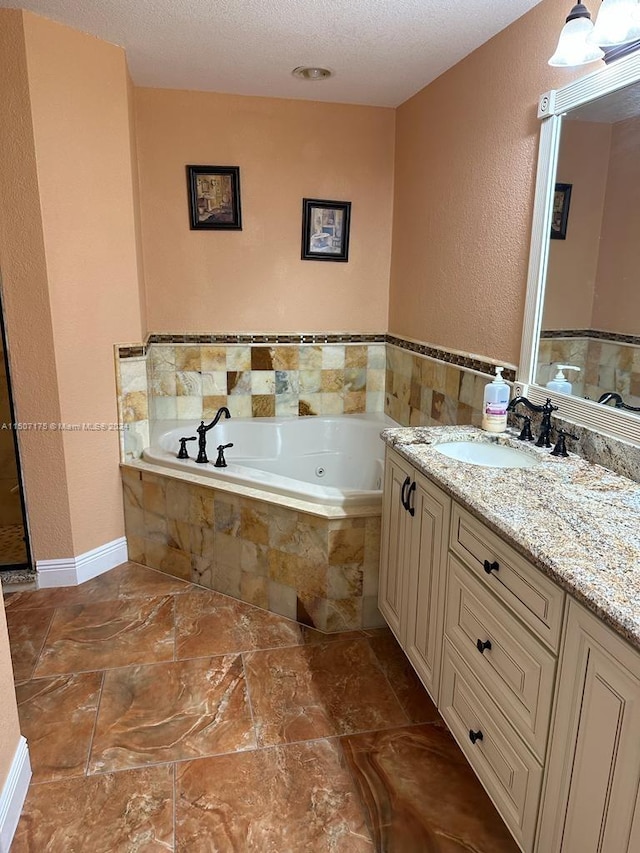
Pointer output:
x,y
413,546
483,628
592,790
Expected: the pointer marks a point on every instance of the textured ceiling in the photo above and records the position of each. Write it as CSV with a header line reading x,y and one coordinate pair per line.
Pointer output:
x,y
382,51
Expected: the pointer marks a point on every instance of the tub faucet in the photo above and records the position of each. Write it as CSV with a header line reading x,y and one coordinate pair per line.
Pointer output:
x,y
203,430
544,439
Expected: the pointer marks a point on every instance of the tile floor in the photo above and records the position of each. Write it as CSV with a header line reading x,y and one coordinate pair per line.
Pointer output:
x,y
161,716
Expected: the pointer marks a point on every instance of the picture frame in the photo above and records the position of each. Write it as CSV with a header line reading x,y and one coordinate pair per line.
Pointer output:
x,y
560,212
325,230
214,198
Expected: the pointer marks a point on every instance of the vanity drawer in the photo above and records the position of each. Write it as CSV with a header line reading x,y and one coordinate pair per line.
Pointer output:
x,y
527,592
510,663
508,771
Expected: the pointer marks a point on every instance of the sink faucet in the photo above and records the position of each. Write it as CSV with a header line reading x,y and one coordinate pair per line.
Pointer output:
x,y
544,439
618,402
203,430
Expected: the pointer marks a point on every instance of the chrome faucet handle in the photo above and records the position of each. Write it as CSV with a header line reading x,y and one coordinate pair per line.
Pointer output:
x,y
560,447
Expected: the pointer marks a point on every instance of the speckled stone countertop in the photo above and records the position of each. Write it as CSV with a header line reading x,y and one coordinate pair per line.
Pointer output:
x,y
577,522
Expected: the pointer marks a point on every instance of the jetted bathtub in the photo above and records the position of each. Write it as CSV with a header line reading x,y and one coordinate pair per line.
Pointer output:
x,y
333,460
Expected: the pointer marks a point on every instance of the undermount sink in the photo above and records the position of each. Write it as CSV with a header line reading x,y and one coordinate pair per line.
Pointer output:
x,y
488,454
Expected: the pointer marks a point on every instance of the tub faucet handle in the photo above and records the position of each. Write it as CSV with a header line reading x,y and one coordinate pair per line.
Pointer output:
x,y
182,453
221,462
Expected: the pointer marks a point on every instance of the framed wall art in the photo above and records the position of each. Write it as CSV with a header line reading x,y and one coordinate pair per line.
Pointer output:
x,y
325,230
560,213
214,198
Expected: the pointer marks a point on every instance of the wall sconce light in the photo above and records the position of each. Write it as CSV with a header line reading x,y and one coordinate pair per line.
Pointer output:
x,y
618,23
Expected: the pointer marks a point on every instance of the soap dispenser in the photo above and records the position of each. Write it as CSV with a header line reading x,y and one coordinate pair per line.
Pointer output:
x,y
494,407
560,383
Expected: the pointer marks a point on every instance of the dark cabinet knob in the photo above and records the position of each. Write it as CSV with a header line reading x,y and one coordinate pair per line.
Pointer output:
x,y
483,646
474,736
491,567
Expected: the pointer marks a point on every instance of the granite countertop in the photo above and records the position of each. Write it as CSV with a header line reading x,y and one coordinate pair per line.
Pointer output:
x,y
579,523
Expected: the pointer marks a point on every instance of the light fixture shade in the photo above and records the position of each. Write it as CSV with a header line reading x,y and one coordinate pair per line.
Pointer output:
x,y
617,23
574,46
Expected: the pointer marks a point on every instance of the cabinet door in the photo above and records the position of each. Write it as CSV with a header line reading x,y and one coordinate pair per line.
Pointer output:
x,y
429,530
590,800
393,543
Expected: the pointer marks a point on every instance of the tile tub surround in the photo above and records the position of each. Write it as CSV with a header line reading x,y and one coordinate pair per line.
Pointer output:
x,y
200,780
191,376
264,380
578,522
424,390
321,571
609,362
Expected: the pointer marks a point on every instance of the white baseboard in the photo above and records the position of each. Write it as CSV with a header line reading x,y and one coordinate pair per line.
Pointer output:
x,y
75,570
13,794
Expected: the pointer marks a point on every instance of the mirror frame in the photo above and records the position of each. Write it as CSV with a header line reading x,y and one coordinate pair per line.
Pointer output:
x,y
551,107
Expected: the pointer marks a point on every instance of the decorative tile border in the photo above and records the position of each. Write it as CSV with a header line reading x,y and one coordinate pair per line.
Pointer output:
x,y
468,362
614,337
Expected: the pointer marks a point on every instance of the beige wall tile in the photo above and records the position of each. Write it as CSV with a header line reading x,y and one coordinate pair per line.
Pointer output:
x,y
309,357
187,357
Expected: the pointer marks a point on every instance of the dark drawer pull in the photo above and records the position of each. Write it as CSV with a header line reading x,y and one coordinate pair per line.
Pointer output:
x,y
411,490
491,567
403,499
474,736
483,646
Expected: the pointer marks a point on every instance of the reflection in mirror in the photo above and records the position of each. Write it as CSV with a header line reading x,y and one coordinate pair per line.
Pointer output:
x,y
591,309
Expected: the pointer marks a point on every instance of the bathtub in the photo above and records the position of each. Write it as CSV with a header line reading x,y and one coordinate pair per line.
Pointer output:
x,y
334,461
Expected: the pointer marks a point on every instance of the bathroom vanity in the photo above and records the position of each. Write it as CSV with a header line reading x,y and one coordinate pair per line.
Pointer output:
x,y
514,594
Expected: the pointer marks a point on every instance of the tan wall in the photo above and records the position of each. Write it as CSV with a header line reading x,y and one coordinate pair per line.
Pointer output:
x,y
26,302
466,152
616,305
254,280
24,280
573,263
78,87
9,724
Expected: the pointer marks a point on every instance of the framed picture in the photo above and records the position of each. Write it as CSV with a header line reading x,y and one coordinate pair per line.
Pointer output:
x,y
560,213
325,230
214,198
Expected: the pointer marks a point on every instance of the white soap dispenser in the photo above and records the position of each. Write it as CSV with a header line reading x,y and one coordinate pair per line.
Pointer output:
x,y
494,407
560,383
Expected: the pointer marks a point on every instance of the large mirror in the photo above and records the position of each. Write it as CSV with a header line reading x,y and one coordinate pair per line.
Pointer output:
x,y
583,302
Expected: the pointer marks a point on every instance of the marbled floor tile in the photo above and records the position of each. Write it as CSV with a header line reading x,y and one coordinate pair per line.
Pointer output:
x,y
170,712
311,635
319,690
405,683
107,634
421,795
282,800
27,631
49,708
208,623
128,812
129,580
